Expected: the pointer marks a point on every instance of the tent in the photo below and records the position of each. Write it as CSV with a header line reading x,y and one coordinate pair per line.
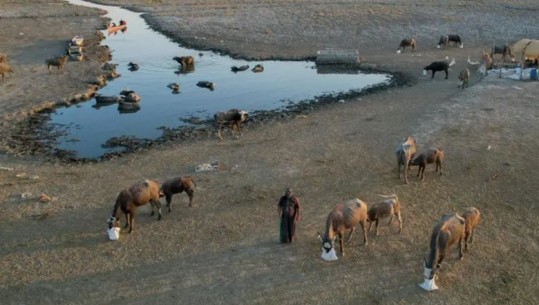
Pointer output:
x,y
526,49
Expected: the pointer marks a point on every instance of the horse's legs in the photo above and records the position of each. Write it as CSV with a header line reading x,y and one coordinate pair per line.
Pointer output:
x,y
157,205
350,235
127,217
168,198
341,243
363,228
131,222
376,227
446,73
190,193
399,219
390,220
461,241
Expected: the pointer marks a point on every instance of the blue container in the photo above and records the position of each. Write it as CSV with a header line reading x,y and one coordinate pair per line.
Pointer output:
x,y
533,74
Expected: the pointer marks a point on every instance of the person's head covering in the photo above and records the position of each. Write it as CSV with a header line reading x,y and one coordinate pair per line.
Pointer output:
x,y
289,191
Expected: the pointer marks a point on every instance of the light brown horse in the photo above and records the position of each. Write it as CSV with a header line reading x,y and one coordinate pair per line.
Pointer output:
x,y
448,231
344,217
131,198
405,152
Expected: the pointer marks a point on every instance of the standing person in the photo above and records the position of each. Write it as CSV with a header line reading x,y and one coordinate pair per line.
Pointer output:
x,y
289,211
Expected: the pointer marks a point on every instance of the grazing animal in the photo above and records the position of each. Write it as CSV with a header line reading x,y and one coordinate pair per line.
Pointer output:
x,y
438,66
137,195
4,69
471,220
448,231
240,68
405,152
232,117
433,155
387,208
3,57
184,60
57,62
505,50
206,84
177,185
344,217
258,68
446,39
407,43
464,78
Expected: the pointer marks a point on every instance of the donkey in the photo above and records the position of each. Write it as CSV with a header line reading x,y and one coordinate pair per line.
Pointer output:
x,y
177,185
448,231
405,152
137,195
344,217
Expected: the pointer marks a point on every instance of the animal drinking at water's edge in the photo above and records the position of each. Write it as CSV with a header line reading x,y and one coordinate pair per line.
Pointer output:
x,y
56,62
433,155
405,152
446,39
448,231
342,218
137,195
232,117
391,207
177,185
407,43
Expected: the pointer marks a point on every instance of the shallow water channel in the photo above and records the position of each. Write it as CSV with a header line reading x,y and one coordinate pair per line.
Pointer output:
x,y
86,127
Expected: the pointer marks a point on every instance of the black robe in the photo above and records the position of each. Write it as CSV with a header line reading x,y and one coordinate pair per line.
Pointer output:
x,y
289,217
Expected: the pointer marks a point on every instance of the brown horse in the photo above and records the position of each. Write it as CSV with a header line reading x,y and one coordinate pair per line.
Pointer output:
x,y
344,217
131,198
448,231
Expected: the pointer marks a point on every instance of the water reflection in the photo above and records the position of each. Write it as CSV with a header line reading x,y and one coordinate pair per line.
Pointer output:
x,y
280,84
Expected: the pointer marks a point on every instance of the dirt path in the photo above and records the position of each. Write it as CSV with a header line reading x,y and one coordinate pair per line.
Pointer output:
x,y
225,249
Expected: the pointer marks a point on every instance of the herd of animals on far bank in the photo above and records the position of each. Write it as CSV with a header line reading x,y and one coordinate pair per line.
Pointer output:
x,y
450,230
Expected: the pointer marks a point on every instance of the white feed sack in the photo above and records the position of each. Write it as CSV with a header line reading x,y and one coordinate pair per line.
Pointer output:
x,y
424,72
428,285
329,256
114,233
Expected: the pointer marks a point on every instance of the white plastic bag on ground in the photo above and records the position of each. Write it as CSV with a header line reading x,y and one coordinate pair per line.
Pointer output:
x,y
329,256
114,233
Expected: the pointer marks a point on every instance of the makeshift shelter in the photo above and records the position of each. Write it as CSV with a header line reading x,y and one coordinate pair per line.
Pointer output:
x,y
526,49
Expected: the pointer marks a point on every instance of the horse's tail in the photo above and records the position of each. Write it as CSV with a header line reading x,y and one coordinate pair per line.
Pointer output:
x,y
433,253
